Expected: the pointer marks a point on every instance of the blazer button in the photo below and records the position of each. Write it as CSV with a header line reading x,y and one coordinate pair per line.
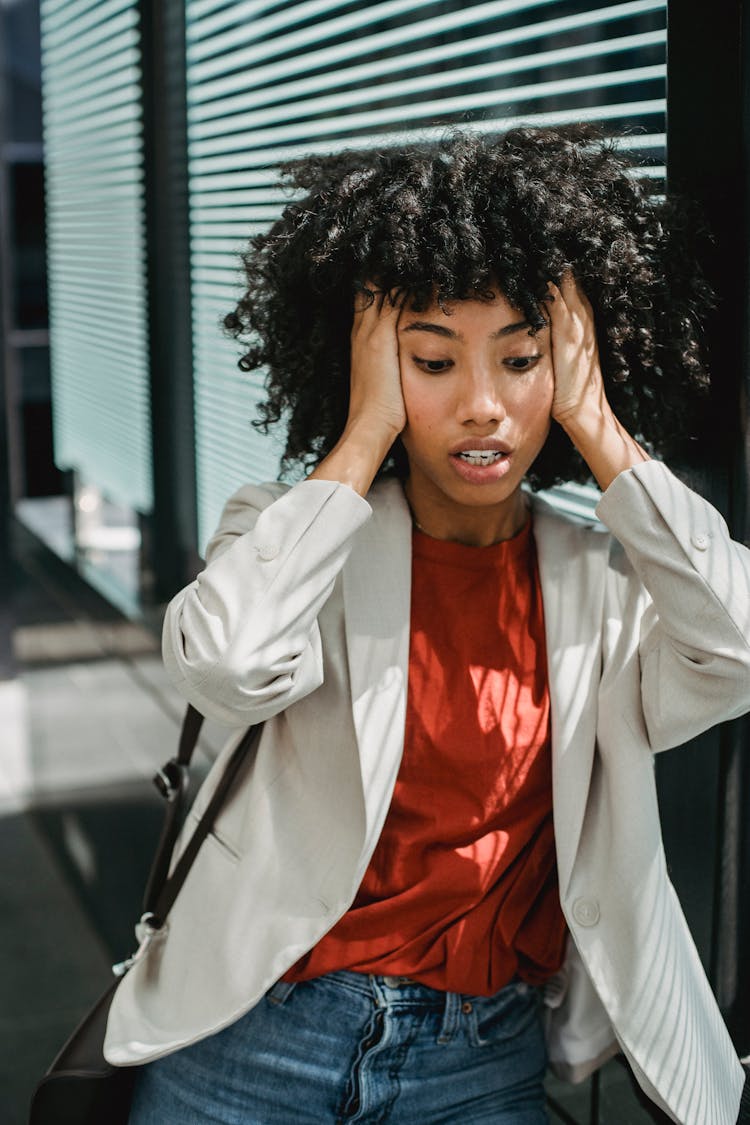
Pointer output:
x,y
586,911
700,541
267,551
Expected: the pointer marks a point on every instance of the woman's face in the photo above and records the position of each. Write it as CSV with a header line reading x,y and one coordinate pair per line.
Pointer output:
x,y
478,392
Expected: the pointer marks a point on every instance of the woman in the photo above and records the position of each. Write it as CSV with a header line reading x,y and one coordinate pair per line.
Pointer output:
x,y
446,848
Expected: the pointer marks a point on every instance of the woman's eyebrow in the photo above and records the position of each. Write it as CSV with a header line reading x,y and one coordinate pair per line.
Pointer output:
x,y
509,328
428,326
442,330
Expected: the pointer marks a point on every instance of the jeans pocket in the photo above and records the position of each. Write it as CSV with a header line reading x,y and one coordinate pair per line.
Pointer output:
x,y
495,1019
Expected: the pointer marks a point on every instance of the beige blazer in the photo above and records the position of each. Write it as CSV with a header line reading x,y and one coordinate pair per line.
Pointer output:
x,y
301,618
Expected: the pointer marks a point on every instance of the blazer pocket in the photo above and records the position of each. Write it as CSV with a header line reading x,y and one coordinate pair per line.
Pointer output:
x,y
219,841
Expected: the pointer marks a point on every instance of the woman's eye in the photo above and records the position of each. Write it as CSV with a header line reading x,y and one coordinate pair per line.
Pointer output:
x,y
434,366
522,362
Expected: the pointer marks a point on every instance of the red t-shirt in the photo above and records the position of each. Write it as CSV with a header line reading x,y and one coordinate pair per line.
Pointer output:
x,y
461,891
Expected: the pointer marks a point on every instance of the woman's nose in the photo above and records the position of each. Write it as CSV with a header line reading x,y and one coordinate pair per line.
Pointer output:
x,y
480,401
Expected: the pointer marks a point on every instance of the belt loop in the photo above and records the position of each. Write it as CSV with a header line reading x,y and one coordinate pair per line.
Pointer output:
x,y
451,1018
279,992
377,991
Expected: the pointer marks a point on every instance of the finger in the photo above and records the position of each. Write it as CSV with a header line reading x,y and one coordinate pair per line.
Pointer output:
x,y
384,304
556,302
386,310
571,304
363,297
567,283
378,319
573,292
393,304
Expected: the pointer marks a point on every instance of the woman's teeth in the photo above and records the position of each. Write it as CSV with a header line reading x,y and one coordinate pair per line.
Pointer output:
x,y
481,456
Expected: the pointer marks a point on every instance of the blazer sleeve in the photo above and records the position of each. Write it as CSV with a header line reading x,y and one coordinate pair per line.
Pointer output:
x,y
695,635
242,641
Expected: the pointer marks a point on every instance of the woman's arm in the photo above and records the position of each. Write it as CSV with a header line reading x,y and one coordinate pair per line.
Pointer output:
x,y
242,642
694,648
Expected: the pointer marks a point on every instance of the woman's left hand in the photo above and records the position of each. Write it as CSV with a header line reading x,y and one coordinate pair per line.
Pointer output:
x,y
575,354
579,402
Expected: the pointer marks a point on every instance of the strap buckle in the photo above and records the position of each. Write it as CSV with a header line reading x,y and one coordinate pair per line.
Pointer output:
x,y
171,779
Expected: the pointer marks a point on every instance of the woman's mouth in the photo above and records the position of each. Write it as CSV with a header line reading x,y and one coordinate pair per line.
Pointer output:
x,y
481,466
481,456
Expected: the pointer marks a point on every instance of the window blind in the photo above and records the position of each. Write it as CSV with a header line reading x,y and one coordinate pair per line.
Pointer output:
x,y
95,220
269,81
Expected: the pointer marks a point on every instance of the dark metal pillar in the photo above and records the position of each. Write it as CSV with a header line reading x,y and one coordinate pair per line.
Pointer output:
x,y
706,807
171,532
7,663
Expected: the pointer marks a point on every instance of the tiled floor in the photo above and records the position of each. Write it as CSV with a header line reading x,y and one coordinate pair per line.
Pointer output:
x,y
81,731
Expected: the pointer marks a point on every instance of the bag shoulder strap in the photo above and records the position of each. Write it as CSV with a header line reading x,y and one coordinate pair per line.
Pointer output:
x,y
172,783
170,888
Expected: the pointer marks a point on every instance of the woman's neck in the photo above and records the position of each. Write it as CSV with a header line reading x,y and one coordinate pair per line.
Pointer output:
x,y
473,526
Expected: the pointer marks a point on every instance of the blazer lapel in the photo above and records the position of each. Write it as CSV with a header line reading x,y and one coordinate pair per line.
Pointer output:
x,y
377,598
572,569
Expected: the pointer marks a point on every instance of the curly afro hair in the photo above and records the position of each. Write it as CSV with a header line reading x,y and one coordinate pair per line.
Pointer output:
x,y
452,219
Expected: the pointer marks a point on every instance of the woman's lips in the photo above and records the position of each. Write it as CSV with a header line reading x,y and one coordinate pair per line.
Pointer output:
x,y
485,467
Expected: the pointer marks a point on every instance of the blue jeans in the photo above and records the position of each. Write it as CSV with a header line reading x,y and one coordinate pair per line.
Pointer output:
x,y
350,1048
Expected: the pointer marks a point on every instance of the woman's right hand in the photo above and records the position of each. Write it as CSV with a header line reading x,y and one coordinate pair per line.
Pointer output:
x,y
375,394
377,414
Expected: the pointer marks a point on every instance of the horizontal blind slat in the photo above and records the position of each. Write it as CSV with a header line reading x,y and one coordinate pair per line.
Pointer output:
x,y
198,10
205,47
250,57
61,33
100,40
211,101
68,96
438,106
294,109
203,168
211,27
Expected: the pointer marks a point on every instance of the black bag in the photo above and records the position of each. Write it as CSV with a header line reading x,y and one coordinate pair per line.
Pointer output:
x,y
81,1087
